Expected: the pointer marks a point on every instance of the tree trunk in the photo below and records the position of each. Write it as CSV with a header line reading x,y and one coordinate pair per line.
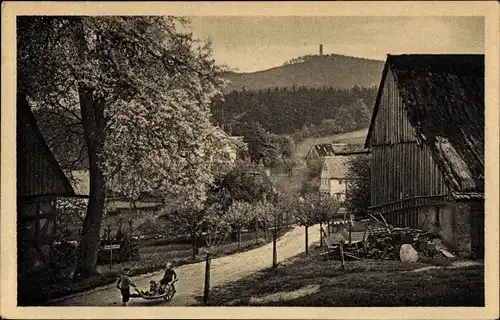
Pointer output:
x,y
206,290
199,244
92,113
257,236
350,232
193,245
329,227
320,234
307,240
275,253
239,238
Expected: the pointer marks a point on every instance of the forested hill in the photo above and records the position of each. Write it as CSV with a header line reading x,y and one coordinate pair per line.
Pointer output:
x,y
312,71
290,110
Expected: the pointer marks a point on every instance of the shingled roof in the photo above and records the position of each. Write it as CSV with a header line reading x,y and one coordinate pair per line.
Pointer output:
x,y
443,96
349,149
324,149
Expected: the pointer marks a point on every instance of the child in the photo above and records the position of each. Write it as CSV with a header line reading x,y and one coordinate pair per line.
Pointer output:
x,y
124,284
169,276
153,288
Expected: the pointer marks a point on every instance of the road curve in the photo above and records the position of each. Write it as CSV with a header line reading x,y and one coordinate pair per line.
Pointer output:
x,y
223,270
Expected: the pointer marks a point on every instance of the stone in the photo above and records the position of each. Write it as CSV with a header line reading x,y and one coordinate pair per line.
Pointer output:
x,y
408,254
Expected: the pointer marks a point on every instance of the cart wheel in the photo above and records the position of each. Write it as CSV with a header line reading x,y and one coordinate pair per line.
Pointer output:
x,y
169,295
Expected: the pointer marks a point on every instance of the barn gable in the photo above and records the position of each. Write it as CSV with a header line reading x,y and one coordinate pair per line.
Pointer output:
x,y
436,100
444,99
38,171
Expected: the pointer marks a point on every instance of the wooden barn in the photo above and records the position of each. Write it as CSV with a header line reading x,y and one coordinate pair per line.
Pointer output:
x,y
427,143
40,181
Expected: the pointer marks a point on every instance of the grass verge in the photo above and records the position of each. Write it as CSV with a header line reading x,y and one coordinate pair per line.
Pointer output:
x,y
311,281
153,258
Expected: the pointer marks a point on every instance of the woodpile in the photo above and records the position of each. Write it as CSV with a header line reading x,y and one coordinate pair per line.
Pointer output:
x,y
383,243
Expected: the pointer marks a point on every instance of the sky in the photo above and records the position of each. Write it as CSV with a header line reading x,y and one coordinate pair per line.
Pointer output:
x,y
252,43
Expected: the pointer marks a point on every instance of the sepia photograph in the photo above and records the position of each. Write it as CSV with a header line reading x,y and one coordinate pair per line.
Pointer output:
x,y
240,160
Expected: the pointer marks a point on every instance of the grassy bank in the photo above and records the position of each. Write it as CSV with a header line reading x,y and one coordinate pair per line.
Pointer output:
x,y
311,281
153,258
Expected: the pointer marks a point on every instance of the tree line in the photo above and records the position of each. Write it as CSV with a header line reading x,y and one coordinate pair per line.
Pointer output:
x,y
289,110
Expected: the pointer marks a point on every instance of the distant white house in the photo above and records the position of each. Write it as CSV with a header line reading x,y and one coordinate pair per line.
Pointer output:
x,y
333,177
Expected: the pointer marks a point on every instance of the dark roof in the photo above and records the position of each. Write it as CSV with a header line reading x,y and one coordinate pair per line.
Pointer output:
x,y
350,149
444,99
324,149
38,172
331,149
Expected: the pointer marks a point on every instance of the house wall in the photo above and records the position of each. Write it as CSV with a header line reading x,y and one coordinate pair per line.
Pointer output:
x,y
462,227
447,223
333,187
450,220
324,185
455,226
337,187
35,232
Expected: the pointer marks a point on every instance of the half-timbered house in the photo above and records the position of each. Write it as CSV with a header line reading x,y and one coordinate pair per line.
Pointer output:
x,y
40,181
427,143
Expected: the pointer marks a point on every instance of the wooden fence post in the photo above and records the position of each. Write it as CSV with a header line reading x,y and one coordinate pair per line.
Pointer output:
x,y
341,246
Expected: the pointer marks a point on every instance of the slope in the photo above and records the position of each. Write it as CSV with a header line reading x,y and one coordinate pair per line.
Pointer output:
x,y
333,70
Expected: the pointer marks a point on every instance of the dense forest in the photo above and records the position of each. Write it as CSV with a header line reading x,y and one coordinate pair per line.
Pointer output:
x,y
290,110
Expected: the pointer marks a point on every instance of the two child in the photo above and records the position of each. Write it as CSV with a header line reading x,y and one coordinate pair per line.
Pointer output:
x,y
124,283
153,289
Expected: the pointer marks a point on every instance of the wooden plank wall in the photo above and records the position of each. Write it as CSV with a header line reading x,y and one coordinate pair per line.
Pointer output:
x,y
404,171
402,168
391,125
37,174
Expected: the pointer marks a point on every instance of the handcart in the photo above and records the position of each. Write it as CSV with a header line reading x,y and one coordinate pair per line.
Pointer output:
x,y
165,292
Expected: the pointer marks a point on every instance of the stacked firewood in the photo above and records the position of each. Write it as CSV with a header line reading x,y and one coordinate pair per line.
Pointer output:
x,y
385,243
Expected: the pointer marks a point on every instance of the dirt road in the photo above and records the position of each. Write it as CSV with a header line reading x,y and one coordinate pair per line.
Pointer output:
x,y
224,270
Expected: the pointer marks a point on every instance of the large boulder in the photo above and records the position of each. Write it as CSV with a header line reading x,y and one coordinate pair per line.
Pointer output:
x,y
408,254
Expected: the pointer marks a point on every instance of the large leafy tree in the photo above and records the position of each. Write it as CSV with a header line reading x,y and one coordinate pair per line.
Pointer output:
x,y
246,181
262,146
139,90
239,215
287,152
358,198
274,216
